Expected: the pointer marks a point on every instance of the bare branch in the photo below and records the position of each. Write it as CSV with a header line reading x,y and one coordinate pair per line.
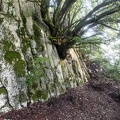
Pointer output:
x,y
95,19
57,10
66,7
89,27
86,21
91,36
75,14
97,8
109,26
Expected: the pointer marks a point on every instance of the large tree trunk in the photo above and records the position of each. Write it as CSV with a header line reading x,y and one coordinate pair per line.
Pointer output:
x,y
25,37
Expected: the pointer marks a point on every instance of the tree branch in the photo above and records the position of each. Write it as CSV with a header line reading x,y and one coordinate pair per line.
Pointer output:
x,y
45,14
66,7
97,8
109,26
86,21
75,14
57,10
89,27
94,20
91,36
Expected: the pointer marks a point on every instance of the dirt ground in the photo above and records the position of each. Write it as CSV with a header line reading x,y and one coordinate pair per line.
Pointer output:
x,y
96,100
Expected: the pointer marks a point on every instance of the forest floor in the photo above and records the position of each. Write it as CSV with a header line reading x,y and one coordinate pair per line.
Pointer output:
x,y
95,100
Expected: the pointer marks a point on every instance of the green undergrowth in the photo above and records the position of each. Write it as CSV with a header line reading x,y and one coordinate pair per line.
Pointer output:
x,y
34,78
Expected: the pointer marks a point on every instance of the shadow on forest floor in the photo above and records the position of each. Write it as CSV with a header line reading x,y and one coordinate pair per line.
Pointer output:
x,y
96,100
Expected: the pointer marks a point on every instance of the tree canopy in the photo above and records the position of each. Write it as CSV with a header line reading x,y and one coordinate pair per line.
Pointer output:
x,y
69,20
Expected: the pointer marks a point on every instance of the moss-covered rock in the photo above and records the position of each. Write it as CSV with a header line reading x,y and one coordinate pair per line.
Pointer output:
x,y
36,29
19,68
14,58
40,94
25,44
7,45
25,39
11,56
2,90
1,21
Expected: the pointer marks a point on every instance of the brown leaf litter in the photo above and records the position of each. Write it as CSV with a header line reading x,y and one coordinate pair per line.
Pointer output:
x,y
96,100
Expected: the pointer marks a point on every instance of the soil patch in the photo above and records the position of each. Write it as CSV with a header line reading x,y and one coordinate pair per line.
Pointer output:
x,y
96,100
